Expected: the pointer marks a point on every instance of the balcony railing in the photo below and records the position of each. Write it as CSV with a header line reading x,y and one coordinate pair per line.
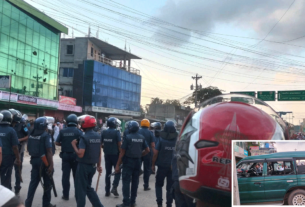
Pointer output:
x,y
117,64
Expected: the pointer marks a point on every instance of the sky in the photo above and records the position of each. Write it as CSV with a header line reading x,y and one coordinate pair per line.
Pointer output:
x,y
234,45
289,146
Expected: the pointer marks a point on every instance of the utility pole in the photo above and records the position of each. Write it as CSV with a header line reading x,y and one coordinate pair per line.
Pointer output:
x,y
37,83
196,87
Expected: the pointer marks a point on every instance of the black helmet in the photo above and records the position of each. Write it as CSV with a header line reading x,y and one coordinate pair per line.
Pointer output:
x,y
72,120
169,127
112,122
7,117
133,126
41,124
157,125
16,115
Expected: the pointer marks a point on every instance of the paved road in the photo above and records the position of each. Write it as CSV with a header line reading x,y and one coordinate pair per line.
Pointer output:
x,y
144,199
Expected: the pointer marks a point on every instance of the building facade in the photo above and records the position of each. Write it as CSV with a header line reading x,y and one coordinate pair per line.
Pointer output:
x,y
29,56
98,75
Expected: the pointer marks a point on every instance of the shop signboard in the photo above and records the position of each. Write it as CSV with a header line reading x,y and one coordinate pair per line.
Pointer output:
x,y
254,148
67,100
5,96
236,148
115,111
27,100
67,107
246,152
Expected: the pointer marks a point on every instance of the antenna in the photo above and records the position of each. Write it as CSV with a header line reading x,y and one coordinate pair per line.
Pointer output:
x,y
72,32
89,31
125,45
97,32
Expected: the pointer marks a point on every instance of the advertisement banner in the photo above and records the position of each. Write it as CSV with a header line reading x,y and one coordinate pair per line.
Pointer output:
x,y
27,99
47,103
67,107
67,100
5,96
5,81
115,111
246,152
254,147
236,148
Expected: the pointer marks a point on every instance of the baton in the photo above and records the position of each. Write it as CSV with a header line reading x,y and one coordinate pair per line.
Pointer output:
x,y
45,161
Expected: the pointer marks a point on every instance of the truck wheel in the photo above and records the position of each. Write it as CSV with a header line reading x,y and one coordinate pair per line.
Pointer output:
x,y
297,198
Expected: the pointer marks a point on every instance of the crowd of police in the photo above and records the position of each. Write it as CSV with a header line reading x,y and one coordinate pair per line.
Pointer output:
x,y
81,151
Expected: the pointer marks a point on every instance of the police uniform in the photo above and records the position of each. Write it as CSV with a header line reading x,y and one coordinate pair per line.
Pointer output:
x,y
68,156
133,144
165,148
110,139
149,137
22,131
9,139
181,200
157,136
38,143
86,168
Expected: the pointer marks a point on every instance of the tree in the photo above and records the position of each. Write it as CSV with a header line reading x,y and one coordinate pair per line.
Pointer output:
x,y
142,109
156,101
203,95
173,102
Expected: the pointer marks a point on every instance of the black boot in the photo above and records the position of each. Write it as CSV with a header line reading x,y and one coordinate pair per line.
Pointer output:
x,y
114,191
146,188
107,194
65,198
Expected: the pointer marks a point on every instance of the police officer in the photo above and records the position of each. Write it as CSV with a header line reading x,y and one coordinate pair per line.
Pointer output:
x,y
163,155
150,140
51,122
10,152
23,134
68,156
89,160
111,140
133,148
157,130
126,131
39,146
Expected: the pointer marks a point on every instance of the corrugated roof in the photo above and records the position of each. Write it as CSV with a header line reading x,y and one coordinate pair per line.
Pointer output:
x,y
111,51
38,14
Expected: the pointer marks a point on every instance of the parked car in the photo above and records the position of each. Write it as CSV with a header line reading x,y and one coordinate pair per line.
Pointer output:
x,y
282,178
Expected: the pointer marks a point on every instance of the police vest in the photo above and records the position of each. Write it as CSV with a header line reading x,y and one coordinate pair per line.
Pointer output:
x,y
135,143
110,140
7,136
36,144
166,148
157,136
66,136
21,130
93,148
149,137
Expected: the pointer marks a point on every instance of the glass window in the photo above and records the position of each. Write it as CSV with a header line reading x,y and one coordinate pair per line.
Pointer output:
x,y
250,169
276,168
68,72
301,166
69,49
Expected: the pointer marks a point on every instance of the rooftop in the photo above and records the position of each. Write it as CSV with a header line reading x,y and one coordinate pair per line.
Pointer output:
x,y
112,52
40,15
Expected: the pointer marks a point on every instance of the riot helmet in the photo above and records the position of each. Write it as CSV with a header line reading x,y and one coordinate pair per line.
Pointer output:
x,y
7,117
40,124
86,121
72,120
169,127
145,123
16,115
157,126
112,123
133,126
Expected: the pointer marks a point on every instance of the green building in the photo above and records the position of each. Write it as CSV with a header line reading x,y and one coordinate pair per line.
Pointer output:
x,y
29,54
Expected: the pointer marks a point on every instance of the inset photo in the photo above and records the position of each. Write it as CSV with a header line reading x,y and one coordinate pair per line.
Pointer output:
x,y
268,173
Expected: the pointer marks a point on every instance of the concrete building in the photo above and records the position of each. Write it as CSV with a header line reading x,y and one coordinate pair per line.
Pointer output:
x,y
29,58
240,150
100,77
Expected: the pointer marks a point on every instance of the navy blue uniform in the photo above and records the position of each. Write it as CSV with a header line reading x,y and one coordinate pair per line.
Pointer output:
x,y
181,200
157,136
86,169
149,137
9,139
38,143
165,147
110,139
22,131
68,156
133,145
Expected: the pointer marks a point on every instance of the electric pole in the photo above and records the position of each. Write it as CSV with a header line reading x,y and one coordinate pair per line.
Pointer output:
x,y
196,87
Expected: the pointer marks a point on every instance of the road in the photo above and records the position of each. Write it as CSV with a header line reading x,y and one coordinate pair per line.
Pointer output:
x,y
144,199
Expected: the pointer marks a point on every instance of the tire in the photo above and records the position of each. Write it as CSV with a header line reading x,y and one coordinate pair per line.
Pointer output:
x,y
297,198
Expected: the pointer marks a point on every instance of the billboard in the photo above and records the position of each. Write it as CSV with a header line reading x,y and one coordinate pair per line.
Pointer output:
x,y
67,100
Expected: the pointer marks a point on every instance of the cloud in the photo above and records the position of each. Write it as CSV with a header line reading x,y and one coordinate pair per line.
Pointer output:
x,y
253,15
